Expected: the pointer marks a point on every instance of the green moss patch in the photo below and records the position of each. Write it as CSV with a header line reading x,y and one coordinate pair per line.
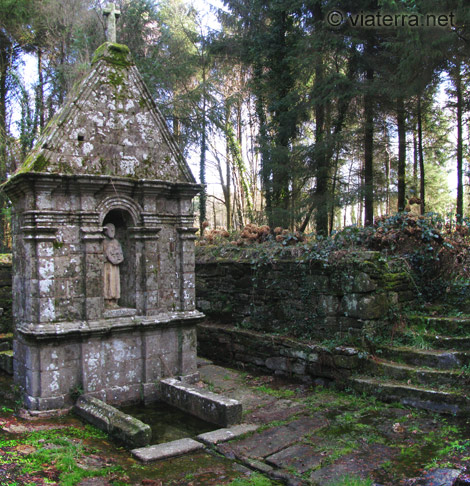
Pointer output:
x,y
116,54
34,163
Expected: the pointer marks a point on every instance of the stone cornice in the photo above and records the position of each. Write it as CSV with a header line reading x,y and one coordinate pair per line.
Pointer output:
x,y
65,330
187,233
25,182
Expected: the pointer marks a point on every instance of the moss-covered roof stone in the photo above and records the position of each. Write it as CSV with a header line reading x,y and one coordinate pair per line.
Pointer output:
x,y
109,125
117,54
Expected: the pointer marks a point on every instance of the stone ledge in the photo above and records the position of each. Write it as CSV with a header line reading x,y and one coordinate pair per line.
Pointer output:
x,y
104,326
119,312
204,404
223,435
166,450
131,431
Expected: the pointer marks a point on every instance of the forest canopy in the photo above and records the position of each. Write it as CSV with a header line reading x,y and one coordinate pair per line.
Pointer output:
x,y
307,115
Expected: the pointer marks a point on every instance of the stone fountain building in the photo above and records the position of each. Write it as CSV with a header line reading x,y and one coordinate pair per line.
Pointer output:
x,y
103,286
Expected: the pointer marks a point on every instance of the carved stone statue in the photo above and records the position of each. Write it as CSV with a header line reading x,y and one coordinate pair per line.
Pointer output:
x,y
114,256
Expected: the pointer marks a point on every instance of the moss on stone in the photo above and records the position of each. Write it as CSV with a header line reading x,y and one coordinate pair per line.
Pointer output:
x,y
64,168
116,54
116,79
34,163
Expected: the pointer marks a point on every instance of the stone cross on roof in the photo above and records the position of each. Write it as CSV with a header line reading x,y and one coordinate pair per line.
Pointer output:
x,y
113,14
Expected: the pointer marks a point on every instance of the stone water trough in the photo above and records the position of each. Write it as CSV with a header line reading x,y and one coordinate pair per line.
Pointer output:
x,y
136,435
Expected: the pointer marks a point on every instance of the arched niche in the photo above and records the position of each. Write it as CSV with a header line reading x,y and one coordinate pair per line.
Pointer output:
x,y
123,221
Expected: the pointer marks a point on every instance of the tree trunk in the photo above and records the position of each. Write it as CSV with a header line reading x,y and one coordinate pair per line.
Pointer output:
x,y
280,159
4,66
458,87
421,158
177,130
40,93
330,147
5,48
322,189
387,180
333,193
266,172
369,151
202,164
415,162
401,154
227,191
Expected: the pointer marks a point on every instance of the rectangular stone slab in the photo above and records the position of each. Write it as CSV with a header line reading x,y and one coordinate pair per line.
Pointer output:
x,y
117,424
301,457
202,403
166,450
223,435
270,441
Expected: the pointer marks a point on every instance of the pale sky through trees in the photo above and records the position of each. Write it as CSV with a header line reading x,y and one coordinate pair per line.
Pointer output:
x,y
28,71
219,101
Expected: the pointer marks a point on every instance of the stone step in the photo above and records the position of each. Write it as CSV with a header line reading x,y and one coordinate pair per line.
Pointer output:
x,y
6,361
167,450
6,341
441,359
417,375
454,343
447,402
452,326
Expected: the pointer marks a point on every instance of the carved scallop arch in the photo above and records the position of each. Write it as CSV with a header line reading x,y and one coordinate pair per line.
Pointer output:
x,y
121,202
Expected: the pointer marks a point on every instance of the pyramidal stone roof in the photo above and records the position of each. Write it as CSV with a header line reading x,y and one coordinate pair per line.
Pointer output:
x,y
110,125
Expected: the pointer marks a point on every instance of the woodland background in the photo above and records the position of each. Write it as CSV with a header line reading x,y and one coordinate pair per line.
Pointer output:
x,y
289,122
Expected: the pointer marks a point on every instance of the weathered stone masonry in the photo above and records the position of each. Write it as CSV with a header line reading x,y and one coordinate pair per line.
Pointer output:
x,y
317,301
279,355
310,299
107,157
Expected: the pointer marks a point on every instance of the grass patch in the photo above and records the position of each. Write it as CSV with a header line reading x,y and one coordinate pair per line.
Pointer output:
x,y
350,481
254,480
322,399
59,449
275,393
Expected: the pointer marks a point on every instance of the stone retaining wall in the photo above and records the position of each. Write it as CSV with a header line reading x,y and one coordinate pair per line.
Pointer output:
x,y
310,299
277,354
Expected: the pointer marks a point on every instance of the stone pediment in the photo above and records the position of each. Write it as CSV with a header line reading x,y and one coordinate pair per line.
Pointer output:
x,y
110,126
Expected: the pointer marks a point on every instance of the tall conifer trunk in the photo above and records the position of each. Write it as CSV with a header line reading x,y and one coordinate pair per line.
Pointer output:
x,y
401,153
40,91
460,102
422,194
202,163
368,150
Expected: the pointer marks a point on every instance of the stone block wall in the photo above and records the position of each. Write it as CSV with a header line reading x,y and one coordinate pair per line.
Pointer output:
x,y
278,355
306,299
116,367
59,255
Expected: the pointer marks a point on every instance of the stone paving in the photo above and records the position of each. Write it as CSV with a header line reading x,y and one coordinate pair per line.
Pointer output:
x,y
317,436
295,435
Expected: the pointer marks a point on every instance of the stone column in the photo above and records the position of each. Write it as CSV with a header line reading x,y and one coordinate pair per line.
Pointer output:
x,y
187,235
93,263
39,244
146,247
